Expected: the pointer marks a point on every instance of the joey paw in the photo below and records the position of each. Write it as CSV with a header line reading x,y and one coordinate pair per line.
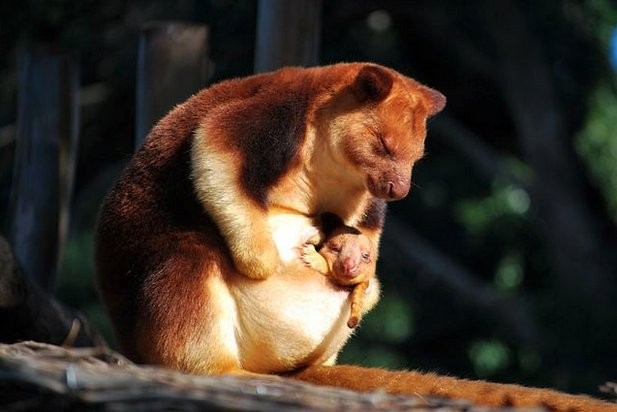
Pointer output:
x,y
311,236
313,260
307,254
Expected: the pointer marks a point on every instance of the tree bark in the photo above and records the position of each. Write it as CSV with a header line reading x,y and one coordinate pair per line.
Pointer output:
x,y
45,159
287,34
172,65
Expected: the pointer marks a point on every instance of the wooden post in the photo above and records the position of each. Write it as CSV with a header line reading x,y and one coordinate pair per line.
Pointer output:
x,y
172,65
287,34
45,157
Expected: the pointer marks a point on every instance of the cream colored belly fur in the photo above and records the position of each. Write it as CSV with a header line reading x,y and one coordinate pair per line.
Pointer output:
x,y
289,320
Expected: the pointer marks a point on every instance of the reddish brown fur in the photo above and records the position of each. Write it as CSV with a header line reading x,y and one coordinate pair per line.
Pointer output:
x,y
156,247
151,225
424,384
164,253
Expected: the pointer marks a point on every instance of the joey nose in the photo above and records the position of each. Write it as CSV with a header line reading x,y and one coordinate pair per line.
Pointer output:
x,y
349,267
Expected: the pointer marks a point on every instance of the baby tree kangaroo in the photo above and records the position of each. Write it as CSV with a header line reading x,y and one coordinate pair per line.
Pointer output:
x,y
347,257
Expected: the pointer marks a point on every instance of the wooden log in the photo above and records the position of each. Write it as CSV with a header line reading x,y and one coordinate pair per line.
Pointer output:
x,y
287,34
171,66
45,158
36,376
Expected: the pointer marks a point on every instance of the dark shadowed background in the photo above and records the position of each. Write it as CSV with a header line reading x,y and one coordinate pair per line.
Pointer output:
x,y
502,262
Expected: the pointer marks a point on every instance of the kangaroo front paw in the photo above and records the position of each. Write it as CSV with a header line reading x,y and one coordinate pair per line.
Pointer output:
x,y
259,264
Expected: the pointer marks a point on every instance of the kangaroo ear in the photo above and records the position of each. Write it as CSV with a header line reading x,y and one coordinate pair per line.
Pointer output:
x,y
372,84
435,101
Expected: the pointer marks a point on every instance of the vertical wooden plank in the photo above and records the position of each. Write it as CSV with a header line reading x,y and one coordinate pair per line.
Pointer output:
x,y
45,158
171,66
287,34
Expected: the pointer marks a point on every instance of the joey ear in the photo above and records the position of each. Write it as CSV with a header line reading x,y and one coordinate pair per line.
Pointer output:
x,y
372,84
435,101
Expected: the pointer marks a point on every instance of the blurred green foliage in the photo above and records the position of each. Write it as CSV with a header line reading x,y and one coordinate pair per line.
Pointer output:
x,y
505,202
597,142
488,357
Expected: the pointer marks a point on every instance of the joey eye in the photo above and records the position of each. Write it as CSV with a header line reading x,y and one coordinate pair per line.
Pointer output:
x,y
335,248
366,257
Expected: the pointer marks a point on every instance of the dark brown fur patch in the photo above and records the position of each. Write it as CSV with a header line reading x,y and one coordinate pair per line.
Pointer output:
x,y
268,133
271,149
375,215
330,222
507,401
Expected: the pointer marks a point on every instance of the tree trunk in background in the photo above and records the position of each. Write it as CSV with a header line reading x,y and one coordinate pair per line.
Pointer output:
x,y
172,65
45,158
287,34
581,245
